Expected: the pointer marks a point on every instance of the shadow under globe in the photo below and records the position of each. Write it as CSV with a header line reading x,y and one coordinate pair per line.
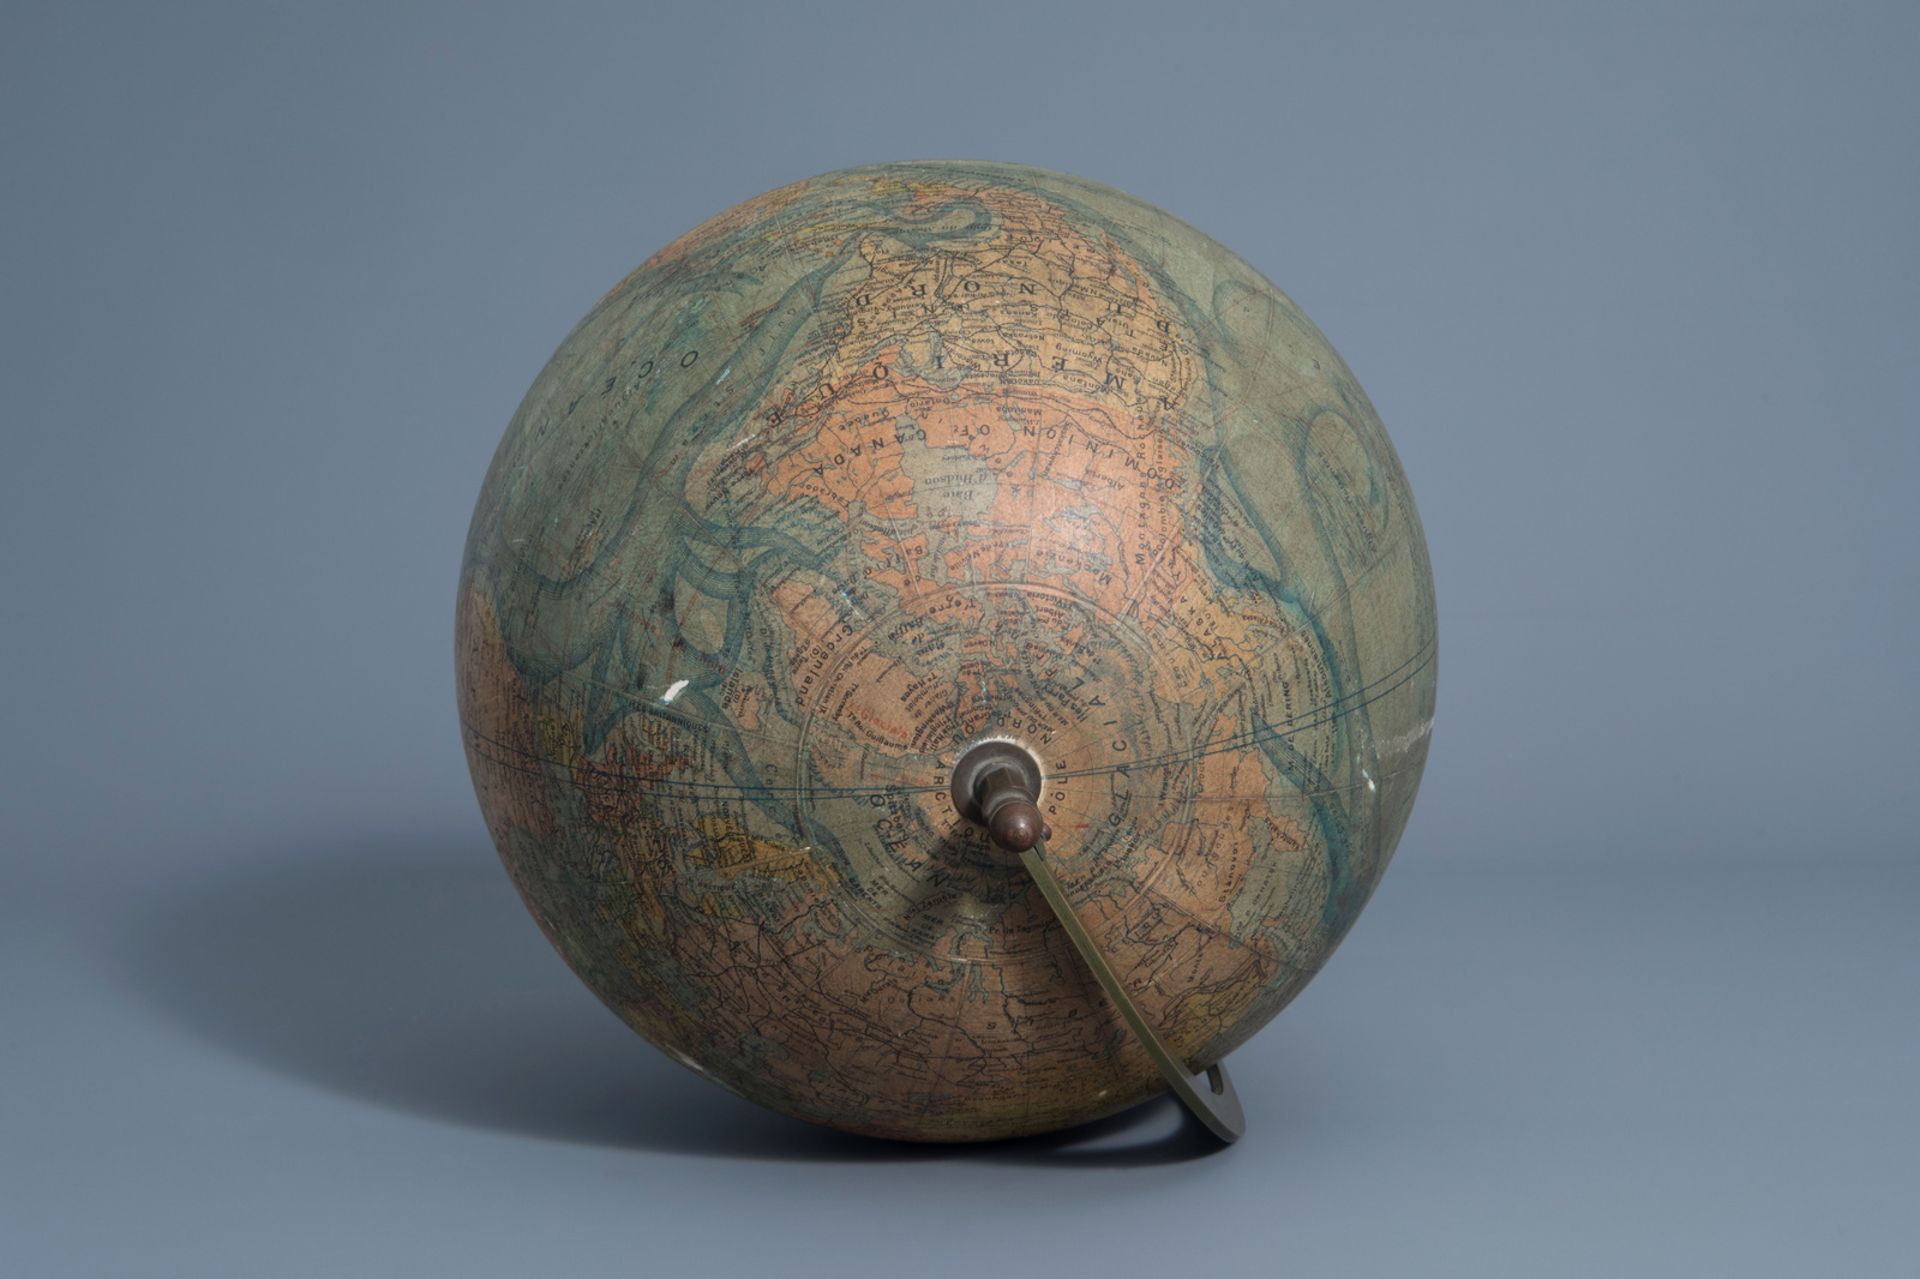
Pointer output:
x,y
405,973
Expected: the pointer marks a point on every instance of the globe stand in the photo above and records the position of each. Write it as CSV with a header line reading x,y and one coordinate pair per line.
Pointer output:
x,y
997,785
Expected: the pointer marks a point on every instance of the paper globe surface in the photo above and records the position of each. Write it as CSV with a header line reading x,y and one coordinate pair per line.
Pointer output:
x,y
879,466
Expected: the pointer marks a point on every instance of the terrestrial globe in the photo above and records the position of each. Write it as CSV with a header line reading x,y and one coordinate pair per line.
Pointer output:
x,y
874,469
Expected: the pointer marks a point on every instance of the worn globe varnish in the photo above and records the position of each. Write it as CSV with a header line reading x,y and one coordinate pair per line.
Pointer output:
x,y
871,469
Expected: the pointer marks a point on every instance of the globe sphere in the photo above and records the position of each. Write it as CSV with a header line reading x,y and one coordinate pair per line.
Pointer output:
x,y
883,465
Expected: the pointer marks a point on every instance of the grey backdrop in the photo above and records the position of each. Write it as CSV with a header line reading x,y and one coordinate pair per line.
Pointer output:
x,y
1634,287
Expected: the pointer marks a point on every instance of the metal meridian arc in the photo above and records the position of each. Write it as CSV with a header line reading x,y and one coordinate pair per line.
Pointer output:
x,y
1209,1094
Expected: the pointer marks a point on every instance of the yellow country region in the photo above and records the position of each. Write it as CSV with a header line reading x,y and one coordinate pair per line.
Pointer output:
x,y
730,850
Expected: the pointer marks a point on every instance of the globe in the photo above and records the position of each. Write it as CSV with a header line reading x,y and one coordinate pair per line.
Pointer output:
x,y
873,470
